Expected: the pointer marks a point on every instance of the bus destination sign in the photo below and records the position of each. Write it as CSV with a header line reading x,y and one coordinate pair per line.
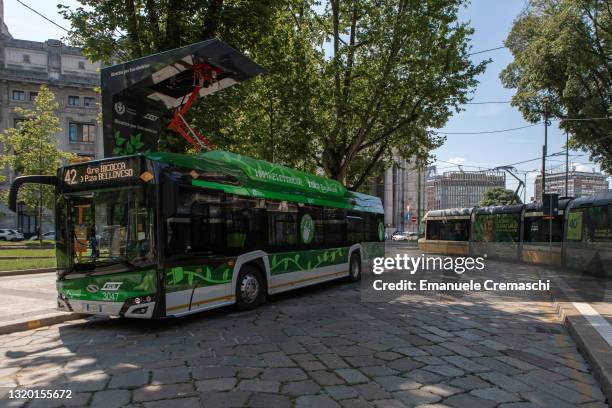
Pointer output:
x,y
101,172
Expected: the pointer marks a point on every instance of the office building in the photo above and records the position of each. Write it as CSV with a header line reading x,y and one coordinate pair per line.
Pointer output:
x,y
457,189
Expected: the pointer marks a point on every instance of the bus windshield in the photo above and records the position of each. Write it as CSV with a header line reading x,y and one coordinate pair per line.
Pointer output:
x,y
110,226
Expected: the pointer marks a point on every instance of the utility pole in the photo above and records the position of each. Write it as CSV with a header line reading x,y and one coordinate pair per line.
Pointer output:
x,y
566,163
419,198
544,148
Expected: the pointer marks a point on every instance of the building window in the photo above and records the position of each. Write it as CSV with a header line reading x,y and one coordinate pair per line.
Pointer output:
x,y
26,58
33,96
82,132
81,64
17,121
89,101
74,100
19,95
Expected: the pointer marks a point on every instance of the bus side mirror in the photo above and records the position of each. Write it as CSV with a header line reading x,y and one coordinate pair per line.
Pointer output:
x,y
12,199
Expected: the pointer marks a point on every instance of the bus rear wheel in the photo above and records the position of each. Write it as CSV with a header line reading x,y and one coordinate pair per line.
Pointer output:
x,y
250,288
355,268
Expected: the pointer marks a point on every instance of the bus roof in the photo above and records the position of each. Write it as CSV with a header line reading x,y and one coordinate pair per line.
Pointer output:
x,y
259,178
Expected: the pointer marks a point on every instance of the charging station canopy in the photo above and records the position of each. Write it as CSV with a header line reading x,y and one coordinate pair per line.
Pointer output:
x,y
138,95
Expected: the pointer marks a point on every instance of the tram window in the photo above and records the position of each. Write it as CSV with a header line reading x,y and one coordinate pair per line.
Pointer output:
x,y
282,223
537,229
497,228
433,230
598,223
452,230
334,225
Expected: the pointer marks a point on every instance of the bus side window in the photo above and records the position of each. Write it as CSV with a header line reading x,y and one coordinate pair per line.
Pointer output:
x,y
371,226
334,226
282,223
196,224
243,223
356,227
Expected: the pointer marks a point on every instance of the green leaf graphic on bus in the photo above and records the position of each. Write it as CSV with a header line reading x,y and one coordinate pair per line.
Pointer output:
x,y
130,145
307,260
180,278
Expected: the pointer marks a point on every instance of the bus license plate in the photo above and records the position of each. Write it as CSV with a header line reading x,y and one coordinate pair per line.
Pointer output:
x,y
92,308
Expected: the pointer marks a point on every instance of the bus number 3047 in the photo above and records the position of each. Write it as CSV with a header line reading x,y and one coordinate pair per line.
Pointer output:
x,y
111,296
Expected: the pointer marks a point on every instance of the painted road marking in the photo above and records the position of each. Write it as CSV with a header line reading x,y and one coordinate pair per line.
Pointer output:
x,y
601,325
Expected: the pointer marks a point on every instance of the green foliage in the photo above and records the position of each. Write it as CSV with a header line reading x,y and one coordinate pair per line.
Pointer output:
x,y
562,51
31,147
499,196
348,85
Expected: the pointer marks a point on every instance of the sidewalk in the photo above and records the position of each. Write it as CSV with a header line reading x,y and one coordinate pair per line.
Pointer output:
x,y
584,303
28,302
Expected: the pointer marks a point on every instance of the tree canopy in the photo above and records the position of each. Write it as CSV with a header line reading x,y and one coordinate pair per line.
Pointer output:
x,y
499,196
563,51
31,148
349,83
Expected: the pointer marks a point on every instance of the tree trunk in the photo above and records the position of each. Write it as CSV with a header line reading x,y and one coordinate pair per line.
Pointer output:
x,y
212,19
133,29
40,215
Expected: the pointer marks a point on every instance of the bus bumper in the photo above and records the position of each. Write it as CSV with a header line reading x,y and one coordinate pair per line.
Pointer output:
x,y
123,309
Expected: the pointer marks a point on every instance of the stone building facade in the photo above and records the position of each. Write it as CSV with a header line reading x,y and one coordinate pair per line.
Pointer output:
x,y
24,67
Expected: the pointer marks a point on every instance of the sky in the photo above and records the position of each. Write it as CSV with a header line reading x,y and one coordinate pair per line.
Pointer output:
x,y
492,21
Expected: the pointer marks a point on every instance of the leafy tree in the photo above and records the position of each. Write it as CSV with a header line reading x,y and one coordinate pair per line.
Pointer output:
x,y
499,196
562,50
31,148
349,83
128,29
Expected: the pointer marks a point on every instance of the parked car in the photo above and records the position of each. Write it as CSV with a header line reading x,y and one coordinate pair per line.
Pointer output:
x,y
7,234
399,236
405,236
47,236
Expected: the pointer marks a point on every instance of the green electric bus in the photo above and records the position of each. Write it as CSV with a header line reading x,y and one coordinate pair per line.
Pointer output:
x,y
163,234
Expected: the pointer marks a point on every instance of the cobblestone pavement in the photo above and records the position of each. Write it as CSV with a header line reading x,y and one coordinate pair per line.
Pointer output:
x,y
318,347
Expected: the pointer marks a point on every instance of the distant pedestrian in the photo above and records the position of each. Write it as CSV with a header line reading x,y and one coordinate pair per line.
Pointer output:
x,y
93,244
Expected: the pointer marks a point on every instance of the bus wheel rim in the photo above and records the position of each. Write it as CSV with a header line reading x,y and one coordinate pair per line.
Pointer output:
x,y
249,288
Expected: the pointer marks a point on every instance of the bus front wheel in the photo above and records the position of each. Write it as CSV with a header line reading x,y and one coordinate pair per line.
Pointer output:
x,y
250,288
355,268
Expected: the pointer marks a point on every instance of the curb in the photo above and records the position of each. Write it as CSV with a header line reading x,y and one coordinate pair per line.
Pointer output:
x,y
36,323
590,344
26,272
